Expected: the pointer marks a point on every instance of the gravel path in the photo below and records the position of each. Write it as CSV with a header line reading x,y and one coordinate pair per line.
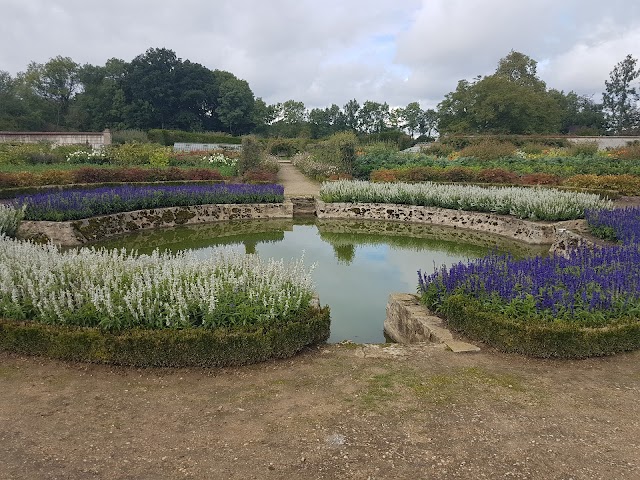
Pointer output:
x,y
295,183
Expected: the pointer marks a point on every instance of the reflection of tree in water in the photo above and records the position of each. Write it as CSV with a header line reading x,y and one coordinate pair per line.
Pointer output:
x,y
345,252
250,246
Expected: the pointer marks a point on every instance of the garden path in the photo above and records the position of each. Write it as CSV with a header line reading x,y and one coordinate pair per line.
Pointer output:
x,y
295,183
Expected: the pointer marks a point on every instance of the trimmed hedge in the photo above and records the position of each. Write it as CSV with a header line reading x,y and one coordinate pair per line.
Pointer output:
x,y
166,348
538,339
169,137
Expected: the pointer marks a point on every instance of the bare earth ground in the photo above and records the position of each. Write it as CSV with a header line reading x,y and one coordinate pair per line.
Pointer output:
x,y
295,183
336,411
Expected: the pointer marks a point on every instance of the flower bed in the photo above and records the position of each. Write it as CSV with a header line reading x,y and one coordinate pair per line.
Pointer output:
x,y
526,203
583,305
100,296
78,204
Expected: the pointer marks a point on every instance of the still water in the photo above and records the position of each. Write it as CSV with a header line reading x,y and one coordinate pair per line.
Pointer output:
x,y
357,264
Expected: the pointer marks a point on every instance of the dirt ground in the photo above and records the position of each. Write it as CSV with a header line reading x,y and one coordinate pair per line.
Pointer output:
x,y
336,411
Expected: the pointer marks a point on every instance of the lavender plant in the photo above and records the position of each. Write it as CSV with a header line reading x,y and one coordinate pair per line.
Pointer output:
x,y
529,203
114,290
77,204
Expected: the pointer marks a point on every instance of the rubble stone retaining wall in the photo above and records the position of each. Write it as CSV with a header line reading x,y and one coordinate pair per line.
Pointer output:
x,y
78,232
525,231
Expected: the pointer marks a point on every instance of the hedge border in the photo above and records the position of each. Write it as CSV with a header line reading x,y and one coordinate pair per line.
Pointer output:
x,y
538,339
167,348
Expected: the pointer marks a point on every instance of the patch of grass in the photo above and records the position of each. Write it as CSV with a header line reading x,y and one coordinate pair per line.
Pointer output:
x,y
439,389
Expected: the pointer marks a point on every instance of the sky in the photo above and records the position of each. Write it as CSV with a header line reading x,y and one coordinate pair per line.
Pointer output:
x,y
330,51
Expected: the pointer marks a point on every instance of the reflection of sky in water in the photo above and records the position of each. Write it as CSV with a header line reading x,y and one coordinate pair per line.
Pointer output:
x,y
356,292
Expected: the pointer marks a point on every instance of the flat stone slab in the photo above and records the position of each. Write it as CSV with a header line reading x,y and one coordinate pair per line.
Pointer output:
x,y
457,346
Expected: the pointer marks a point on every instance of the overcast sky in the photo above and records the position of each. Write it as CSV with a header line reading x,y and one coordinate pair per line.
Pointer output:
x,y
330,51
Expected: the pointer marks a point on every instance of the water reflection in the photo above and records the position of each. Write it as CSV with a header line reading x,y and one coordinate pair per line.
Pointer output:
x,y
357,263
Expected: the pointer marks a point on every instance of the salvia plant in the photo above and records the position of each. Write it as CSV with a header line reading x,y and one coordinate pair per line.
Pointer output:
x,y
621,224
527,203
76,204
10,218
114,290
592,286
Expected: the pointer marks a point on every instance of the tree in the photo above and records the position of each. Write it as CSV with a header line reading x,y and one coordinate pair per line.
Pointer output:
x,y
580,114
520,69
150,87
351,110
620,100
13,112
55,83
412,114
235,106
373,116
101,103
428,123
511,101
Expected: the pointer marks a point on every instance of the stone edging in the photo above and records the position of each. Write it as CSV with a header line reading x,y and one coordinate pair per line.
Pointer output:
x,y
408,321
79,232
537,233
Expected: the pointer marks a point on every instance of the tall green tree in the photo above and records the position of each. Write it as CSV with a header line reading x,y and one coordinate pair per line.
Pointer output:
x,y
51,86
412,114
373,117
620,99
351,110
13,111
511,101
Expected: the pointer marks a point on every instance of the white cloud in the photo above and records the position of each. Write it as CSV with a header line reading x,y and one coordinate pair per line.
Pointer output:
x,y
332,51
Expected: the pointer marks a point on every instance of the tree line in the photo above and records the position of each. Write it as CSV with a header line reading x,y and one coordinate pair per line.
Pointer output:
x,y
159,90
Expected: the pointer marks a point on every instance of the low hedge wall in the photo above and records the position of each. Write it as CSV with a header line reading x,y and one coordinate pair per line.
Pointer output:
x,y
166,348
539,339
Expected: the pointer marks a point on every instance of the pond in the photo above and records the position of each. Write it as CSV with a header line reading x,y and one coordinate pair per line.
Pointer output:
x,y
357,263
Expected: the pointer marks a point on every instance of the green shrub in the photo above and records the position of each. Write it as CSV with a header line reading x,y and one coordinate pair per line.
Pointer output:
x,y
489,150
285,147
130,136
169,137
167,348
338,150
252,154
438,149
583,149
539,339
136,153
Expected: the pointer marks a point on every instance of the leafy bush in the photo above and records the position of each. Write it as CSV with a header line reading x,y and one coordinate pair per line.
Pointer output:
x,y
583,149
85,203
197,347
136,153
497,175
130,136
338,150
10,218
623,184
540,179
630,152
313,169
252,154
489,150
169,137
438,149
531,203
285,147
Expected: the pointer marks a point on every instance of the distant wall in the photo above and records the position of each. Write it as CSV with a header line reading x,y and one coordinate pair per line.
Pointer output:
x,y
204,147
605,142
95,139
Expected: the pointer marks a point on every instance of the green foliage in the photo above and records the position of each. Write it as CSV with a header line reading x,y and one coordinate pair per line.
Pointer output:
x,y
137,153
621,97
558,339
10,218
583,149
285,147
168,348
489,150
252,154
130,135
338,150
169,137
